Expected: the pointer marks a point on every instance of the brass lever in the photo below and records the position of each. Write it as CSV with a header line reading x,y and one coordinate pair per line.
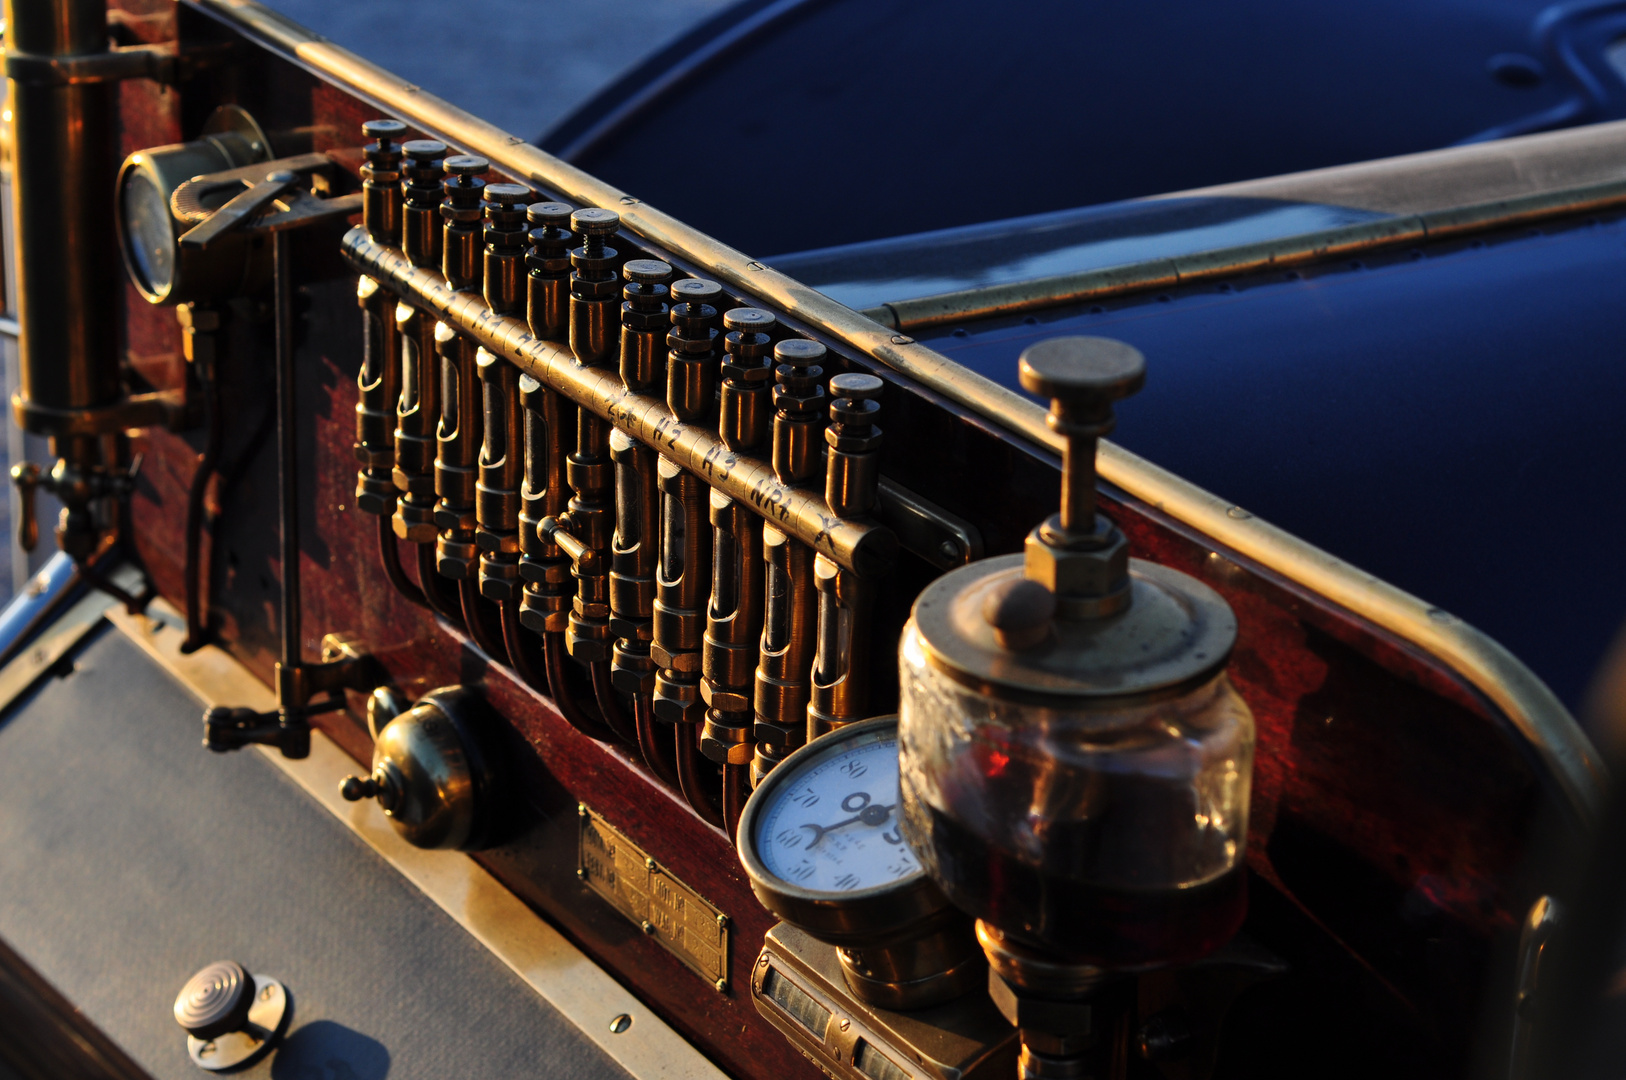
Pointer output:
x,y
240,209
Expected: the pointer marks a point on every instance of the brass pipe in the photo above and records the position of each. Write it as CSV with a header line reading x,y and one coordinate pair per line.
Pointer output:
x,y
783,674
692,771
801,513
680,599
840,692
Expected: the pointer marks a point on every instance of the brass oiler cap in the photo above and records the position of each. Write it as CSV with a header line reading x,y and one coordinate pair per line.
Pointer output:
x,y
1075,617
1175,633
431,775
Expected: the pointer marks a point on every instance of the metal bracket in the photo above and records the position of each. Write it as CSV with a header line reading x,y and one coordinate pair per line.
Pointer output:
x,y
345,665
163,63
266,197
161,407
927,529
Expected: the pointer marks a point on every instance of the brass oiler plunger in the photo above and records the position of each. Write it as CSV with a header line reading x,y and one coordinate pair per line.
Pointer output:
x,y
1075,764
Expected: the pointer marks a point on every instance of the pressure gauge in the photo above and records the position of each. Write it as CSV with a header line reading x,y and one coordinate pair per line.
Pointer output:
x,y
821,841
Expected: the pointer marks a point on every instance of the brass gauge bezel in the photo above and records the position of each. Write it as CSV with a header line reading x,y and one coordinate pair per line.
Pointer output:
x,y
857,918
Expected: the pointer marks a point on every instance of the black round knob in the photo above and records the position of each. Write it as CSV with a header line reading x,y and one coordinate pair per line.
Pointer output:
x,y
855,386
748,320
507,194
424,149
646,271
1020,611
466,165
383,129
357,788
799,351
556,214
695,291
215,1001
1083,370
595,221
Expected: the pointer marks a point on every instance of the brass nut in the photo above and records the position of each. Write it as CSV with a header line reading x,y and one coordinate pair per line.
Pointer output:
x,y
376,503
586,650
1077,573
1063,1026
635,681
499,588
456,565
730,753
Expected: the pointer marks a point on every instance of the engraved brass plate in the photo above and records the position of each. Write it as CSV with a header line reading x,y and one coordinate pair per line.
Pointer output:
x,y
658,903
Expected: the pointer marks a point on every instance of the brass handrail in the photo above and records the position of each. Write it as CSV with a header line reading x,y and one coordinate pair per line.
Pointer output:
x,y
1573,763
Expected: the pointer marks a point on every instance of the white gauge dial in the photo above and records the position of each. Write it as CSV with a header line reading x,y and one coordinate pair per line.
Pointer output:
x,y
833,824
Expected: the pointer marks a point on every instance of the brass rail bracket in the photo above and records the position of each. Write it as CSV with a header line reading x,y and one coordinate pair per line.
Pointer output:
x,y
163,63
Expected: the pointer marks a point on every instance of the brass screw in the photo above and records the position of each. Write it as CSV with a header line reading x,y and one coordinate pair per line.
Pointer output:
x,y
722,920
648,927
845,1024
581,809
581,872
722,986
649,864
620,1023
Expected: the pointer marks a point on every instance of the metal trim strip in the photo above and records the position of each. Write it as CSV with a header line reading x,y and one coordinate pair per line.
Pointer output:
x,y
1574,764
574,986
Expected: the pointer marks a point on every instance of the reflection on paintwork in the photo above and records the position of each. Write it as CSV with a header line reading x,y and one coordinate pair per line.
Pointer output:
x,y
999,252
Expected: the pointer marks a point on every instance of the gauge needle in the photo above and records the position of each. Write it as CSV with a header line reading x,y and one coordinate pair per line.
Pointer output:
x,y
870,815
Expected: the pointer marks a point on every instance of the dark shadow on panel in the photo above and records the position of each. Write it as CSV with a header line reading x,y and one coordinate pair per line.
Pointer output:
x,y
324,1050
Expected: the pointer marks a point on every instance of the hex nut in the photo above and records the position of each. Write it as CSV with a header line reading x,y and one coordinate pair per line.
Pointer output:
x,y
1077,573
1050,1025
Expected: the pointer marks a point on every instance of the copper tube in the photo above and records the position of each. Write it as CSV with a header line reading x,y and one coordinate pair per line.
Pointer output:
x,y
736,789
650,730
691,773
481,617
389,556
609,706
438,591
523,651
556,661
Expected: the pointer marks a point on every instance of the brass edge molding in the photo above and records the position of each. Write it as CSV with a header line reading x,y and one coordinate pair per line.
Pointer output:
x,y
559,973
1529,705
861,546
1010,298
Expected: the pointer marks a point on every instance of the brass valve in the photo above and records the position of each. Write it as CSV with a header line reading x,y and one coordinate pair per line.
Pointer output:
x,y
457,449
747,371
547,270
378,390
381,180
691,363
422,234
733,626
543,567
505,238
593,285
76,489
854,469
588,518
632,564
496,493
680,595
799,405
644,317
460,210
416,414
786,653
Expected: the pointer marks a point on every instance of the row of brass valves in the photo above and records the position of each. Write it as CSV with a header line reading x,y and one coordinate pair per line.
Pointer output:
x,y
418,407
734,613
378,383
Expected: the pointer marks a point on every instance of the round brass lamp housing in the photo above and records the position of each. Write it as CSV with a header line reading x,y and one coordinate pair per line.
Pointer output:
x,y
431,774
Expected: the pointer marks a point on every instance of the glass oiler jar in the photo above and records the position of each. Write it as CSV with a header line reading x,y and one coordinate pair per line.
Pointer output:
x,y
1075,764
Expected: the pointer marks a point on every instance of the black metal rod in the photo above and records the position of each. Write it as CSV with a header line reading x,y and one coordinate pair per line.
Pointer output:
x,y
197,577
287,458
691,771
